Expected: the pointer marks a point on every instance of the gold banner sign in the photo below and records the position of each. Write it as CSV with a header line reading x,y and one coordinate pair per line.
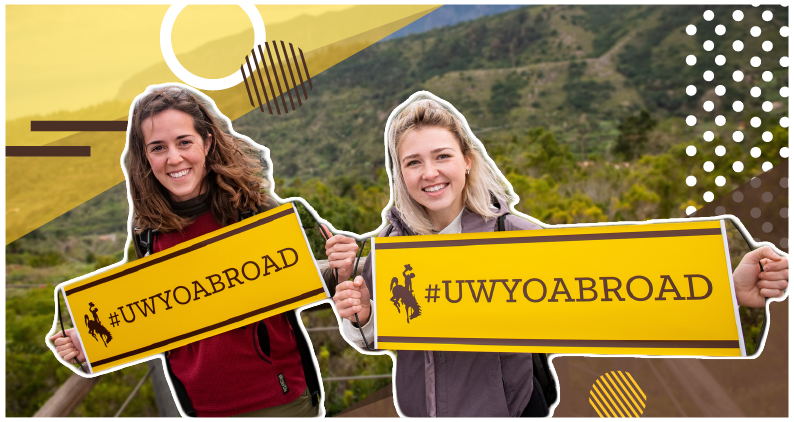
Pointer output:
x,y
651,289
229,278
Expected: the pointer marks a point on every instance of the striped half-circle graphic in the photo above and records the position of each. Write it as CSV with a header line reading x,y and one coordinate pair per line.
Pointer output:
x,y
617,395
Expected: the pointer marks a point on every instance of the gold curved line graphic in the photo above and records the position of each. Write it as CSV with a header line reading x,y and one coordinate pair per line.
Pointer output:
x,y
594,398
617,398
603,400
596,409
614,405
623,387
637,385
617,392
631,388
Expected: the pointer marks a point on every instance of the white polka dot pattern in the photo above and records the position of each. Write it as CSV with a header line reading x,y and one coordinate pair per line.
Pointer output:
x,y
745,74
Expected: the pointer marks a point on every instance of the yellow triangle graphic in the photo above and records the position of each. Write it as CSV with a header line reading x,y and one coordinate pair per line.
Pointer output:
x,y
39,189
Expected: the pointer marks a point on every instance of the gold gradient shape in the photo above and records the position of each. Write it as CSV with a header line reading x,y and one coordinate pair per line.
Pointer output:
x,y
85,87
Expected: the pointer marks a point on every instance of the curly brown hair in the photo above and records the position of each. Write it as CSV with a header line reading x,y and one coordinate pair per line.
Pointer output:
x,y
234,172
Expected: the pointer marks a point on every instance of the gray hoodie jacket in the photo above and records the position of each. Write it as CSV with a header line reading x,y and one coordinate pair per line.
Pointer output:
x,y
466,383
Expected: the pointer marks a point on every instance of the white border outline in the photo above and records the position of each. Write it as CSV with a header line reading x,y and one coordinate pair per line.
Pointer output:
x,y
185,75
62,292
374,305
733,288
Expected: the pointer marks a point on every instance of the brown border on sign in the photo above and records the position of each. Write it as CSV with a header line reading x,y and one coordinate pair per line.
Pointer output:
x,y
209,328
550,239
174,254
671,344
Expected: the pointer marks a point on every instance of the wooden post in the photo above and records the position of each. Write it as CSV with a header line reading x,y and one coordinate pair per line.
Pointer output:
x,y
68,396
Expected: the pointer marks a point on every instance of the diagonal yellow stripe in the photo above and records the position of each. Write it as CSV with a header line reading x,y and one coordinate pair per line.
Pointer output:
x,y
617,398
32,199
603,400
596,409
618,393
637,385
614,405
623,387
598,402
633,391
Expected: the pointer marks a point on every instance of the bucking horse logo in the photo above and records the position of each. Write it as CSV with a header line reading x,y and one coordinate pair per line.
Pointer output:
x,y
405,294
95,327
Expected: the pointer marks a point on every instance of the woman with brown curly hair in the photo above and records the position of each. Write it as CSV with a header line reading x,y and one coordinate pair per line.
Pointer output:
x,y
187,176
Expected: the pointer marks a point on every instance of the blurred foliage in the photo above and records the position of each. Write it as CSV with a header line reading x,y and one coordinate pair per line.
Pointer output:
x,y
337,359
634,134
609,23
48,259
583,93
33,373
505,94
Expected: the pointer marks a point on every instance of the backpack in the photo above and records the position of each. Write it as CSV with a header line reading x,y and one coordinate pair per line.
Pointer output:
x,y
145,239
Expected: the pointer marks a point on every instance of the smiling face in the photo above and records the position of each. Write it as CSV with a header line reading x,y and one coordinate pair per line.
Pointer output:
x,y
176,153
434,171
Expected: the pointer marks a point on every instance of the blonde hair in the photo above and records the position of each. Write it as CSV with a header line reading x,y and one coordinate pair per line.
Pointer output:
x,y
424,110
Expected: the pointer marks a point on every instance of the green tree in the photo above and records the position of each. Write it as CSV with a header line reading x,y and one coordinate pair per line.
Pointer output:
x,y
505,94
548,155
583,93
634,134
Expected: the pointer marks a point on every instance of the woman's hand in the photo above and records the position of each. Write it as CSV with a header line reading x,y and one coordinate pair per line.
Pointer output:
x,y
341,253
352,297
753,286
68,347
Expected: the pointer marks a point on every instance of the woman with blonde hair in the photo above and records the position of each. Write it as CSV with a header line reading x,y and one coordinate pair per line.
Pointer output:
x,y
444,183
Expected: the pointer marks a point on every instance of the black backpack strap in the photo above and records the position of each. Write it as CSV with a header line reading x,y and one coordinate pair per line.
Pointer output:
x,y
544,380
537,406
309,371
179,389
245,214
389,230
145,240
544,376
500,222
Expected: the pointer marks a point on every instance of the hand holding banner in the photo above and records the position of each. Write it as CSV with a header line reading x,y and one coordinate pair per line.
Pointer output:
x,y
229,278
574,290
